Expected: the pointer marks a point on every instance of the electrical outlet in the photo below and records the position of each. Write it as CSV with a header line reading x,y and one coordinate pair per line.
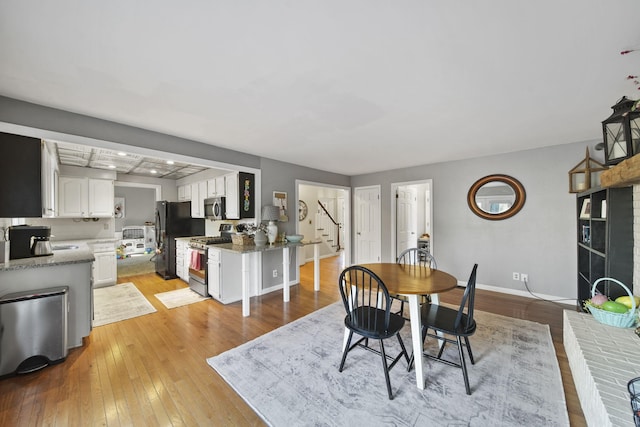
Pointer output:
x,y
516,276
106,225
524,277
275,273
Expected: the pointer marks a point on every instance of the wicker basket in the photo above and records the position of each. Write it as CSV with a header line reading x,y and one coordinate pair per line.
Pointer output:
x,y
620,320
241,239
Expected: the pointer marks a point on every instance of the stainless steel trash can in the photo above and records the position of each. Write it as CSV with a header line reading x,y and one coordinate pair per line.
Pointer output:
x,y
33,330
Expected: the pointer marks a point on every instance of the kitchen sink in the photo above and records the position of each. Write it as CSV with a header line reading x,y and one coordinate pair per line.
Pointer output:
x,y
64,247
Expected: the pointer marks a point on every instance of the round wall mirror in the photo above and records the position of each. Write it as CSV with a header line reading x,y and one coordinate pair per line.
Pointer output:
x,y
496,197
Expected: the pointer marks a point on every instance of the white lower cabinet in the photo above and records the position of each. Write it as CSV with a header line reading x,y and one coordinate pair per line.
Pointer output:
x,y
182,259
105,268
224,278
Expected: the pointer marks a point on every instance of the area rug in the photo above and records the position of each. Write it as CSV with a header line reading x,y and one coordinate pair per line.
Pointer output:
x,y
179,297
290,377
119,302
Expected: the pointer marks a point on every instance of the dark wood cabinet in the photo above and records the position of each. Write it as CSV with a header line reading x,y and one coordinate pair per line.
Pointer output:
x,y
20,176
605,240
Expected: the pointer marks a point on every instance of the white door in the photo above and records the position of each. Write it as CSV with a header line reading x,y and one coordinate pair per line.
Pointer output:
x,y
367,225
406,218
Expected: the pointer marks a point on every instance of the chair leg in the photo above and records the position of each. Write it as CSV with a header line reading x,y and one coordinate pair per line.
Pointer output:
x,y
463,365
443,343
346,350
386,369
466,340
404,351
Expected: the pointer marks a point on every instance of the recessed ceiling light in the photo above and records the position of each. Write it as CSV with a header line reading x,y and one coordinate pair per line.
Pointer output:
x,y
153,171
120,153
170,162
111,167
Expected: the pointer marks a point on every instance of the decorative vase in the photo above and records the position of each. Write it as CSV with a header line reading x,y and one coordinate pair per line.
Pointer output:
x,y
260,238
272,232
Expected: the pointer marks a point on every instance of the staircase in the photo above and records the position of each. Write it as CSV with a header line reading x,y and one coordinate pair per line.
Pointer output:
x,y
328,229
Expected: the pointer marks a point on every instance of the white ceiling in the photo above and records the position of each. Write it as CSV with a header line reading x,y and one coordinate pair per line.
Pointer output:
x,y
349,86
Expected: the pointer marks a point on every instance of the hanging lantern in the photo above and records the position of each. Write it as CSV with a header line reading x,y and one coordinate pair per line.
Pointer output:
x,y
585,175
621,132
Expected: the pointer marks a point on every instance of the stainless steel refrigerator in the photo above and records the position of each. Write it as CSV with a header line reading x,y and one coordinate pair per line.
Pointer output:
x,y
173,219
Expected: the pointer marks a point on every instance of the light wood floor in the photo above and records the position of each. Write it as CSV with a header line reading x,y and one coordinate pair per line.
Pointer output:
x,y
152,370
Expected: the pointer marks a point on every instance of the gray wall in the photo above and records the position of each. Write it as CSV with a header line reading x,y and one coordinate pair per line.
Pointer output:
x,y
540,240
139,206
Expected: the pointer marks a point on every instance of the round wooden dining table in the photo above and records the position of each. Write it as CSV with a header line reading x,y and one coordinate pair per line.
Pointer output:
x,y
413,281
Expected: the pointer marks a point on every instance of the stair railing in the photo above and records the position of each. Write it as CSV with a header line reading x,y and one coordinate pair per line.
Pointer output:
x,y
334,231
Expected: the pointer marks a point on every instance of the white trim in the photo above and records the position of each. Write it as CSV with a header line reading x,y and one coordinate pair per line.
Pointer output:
x,y
156,187
554,298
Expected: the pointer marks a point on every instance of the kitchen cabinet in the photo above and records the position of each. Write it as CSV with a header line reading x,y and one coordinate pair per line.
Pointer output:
x,y
20,176
240,195
198,194
81,197
605,240
215,187
49,181
182,259
105,269
224,278
184,193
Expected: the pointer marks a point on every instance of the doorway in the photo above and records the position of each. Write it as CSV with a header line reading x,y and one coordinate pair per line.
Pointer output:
x,y
411,216
323,213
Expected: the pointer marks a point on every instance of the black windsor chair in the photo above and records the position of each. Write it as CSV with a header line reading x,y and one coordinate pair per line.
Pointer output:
x,y
453,322
368,306
415,256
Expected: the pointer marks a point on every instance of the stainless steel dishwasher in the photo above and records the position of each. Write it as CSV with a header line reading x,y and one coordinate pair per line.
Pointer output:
x,y
33,330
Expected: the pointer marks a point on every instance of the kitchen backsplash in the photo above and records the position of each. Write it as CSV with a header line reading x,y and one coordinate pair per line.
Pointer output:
x,y
72,229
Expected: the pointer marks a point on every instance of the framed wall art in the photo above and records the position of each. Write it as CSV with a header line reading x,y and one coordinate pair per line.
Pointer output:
x,y
280,200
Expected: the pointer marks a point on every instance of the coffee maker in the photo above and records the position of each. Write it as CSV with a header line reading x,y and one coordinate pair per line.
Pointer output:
x,y
26,241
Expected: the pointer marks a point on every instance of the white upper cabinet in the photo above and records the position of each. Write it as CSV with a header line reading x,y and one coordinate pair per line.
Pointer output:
x,y
81,197
184,193
232,202
198,194
215,187
101,195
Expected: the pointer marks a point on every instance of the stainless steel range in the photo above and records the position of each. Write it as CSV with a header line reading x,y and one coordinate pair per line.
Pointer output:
x,y
198,258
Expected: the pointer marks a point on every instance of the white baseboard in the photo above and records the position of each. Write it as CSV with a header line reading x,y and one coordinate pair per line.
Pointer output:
x,y
562,300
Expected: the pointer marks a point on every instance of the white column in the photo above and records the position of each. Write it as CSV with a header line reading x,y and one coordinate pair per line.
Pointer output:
x,y
246,303
316,267
285,274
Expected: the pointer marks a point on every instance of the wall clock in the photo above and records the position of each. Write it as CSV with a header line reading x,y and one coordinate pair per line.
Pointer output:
x,y
302,210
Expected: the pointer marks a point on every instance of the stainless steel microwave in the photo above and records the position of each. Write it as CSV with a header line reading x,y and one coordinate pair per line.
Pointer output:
x,y
214,208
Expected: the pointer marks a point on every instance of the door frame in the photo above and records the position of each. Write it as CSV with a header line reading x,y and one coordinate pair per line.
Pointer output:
x,y
392,225
347,212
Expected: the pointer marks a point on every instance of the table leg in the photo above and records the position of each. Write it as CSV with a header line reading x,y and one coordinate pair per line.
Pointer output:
x,y
316,267
435,299
246,303
285,274
416,337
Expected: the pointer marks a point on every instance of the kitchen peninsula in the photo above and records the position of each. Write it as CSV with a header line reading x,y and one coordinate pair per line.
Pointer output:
x,y
70,267
247,250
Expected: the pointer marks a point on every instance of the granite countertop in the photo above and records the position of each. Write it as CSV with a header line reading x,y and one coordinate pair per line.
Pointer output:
x,y
243,249
82,253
